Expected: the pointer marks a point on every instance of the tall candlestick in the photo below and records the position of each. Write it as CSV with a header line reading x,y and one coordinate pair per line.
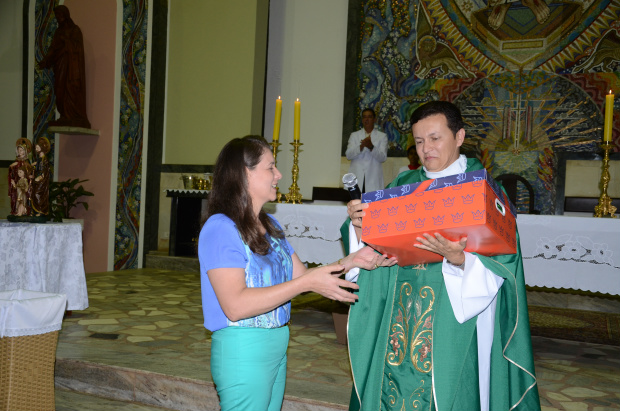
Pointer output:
x,y
609,116
276,121
297,115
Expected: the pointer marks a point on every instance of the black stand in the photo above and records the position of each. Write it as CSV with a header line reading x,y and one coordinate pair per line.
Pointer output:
x,y
185,216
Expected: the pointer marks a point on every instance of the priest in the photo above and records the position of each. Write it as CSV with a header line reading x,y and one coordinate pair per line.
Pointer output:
x,y
441,336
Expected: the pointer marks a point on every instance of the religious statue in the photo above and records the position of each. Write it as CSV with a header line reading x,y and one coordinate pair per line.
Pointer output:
x,y
66,58
22,192
19,173
40,186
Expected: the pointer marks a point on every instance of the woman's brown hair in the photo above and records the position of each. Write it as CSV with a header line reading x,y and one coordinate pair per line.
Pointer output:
x,y
229,194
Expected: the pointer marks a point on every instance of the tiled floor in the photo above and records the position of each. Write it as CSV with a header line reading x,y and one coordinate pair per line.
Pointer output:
x,y
142,340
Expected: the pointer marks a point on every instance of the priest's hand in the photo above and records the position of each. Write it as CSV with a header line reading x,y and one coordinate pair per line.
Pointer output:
x,y
453,251
355,209
368,259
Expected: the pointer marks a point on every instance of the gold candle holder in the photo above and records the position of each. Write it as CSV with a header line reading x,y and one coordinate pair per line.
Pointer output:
x,y
274,150
294,196
604,206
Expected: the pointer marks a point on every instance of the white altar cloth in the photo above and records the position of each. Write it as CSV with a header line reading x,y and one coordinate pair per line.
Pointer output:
x,y
581,253
312,230
44,257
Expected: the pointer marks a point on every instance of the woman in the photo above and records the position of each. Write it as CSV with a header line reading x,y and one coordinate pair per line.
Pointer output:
x,y
249,273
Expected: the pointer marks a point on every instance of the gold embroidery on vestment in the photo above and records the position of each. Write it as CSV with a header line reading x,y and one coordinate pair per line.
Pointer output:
x,y
399,338
421,333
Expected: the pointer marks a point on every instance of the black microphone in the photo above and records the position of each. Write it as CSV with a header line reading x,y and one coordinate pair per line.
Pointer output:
x,y
350,184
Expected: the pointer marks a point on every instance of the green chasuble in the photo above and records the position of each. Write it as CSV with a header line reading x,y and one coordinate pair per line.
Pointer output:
x,y
407,347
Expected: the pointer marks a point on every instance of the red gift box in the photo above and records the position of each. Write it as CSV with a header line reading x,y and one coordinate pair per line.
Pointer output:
x,y
464,205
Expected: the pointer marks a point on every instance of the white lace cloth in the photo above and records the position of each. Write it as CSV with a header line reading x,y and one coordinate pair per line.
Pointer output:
x,y
24,312
581,253
313,230
571,252
44,257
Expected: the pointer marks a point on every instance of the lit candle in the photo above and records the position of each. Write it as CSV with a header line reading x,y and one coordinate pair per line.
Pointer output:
x,y
609,116
297,114
276,121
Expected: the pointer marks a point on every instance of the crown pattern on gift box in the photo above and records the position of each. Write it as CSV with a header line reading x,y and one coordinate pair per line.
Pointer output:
x,y
410,208
392,210
419,223
366,230
438,190
375,213
393,195
383,228
401,225
478,214
458,217
457,186
438,220
448,202
477,181
429,205
468,199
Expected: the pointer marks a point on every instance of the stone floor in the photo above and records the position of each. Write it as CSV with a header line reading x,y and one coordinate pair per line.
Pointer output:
x,y
141,344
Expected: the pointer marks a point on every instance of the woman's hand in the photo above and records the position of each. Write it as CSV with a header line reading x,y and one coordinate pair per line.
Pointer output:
x,y
450,250
368,259
355,209
325,280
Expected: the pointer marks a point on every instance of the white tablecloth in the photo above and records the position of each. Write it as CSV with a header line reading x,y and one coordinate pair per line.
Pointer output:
x,y
312,230
558,251
571,252
44,257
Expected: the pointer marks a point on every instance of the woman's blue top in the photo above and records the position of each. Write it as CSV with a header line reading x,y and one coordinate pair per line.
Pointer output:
x,y
220,246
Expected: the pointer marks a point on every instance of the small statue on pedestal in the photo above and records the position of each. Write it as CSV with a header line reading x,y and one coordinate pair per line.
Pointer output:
x,y
19,172
40,186
29,184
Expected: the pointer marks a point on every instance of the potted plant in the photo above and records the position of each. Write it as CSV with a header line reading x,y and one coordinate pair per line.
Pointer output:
x,y
66,195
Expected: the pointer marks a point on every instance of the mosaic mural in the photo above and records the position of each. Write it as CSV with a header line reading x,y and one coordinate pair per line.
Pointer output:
x,y
530,76
44,101
131,134
130,144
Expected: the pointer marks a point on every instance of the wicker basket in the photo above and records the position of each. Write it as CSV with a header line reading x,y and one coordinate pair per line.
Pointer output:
x,y
27,372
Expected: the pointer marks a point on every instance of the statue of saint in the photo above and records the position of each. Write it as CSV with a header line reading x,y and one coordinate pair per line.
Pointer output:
x,y
40,186
22,193
66,58
17,185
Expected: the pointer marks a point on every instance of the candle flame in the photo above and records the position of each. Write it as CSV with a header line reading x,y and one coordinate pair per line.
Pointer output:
x,y
279,97
610,91
298,99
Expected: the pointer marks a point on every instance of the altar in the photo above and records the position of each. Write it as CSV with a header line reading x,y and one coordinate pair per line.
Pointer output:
x,y
581,253
44,257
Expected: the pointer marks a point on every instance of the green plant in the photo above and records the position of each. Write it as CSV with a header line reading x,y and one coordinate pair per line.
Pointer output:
x,y
64,196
